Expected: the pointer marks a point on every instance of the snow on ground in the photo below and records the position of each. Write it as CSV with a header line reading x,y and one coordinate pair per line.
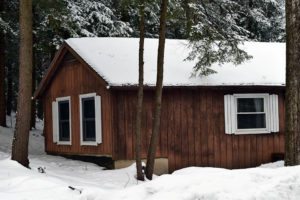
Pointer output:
x,y
17,182
267,182
212,184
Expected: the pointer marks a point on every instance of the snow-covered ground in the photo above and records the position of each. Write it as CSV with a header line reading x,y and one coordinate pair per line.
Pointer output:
x,y
91,182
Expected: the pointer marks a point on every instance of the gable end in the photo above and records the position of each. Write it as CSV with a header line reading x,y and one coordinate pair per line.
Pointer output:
x,y
64,55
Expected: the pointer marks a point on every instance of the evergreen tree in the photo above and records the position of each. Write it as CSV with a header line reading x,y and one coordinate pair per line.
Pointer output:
x,y
128,11
8,33
178,19
11,53
264,19
215,37
221,25
96,18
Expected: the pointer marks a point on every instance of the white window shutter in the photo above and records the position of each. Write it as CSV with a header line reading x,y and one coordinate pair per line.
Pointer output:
x,y
229,114
98,119
55,121
274,114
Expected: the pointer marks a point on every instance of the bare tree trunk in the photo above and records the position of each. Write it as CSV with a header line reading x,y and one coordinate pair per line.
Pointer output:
x,y
188,16
158,91
2,74
33,102
40,112
292,119
39,103
21,135
139,107
9,94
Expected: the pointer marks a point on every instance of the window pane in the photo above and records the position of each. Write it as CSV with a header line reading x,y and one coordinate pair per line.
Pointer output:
x,y
89,107
90,130
63,110
251,121
64,131
64,118
88,119
250,105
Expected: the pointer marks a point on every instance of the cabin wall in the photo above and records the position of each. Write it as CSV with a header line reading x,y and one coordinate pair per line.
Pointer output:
x,y
192,129
124,125
73,79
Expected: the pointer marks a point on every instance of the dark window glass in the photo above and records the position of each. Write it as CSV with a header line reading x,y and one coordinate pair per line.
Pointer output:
x,y
64,120
250,113
89,107
250,105
250,121
88,119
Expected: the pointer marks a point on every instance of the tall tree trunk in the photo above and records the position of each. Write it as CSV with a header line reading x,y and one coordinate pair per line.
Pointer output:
x,y
139,107
188,15
2,74
39,105
158,91
9,94
21,135
292,118
33,102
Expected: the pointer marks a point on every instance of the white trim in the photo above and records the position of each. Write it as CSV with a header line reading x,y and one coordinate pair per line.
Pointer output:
x,y
98,121
274,113
270,109
228,114
68,98
265,96
226,117
232,114
54,121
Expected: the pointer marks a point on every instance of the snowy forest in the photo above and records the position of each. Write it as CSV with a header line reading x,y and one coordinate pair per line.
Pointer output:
x,y
56,20
149,99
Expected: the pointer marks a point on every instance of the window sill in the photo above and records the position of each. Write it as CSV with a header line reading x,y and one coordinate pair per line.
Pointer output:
x,y
252,131
88,144
63,143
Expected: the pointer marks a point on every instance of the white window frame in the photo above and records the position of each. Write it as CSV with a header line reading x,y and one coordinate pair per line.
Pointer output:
x,y
98,120
265,96
67,98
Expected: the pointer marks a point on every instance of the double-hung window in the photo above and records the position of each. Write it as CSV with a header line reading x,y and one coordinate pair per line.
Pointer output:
x,y
61,112
251,113
90,119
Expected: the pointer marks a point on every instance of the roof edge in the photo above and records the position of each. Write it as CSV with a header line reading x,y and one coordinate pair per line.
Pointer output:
x,y
51,70
54,65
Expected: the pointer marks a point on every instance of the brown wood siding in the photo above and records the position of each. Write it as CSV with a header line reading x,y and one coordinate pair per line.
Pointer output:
x,y
192,124
73,79
192,129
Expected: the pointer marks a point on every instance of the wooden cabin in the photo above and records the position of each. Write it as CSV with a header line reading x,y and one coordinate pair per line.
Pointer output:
x,y
231,119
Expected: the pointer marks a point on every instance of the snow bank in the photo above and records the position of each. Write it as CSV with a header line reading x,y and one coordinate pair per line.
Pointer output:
x,y
91,182
17,182
116,60
219,184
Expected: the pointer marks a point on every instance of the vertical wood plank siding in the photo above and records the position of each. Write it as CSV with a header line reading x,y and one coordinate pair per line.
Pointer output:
x,y
192,130
192,125
72,79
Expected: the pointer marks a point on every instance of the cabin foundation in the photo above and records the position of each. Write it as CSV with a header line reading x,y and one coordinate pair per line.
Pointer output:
x,y
161,165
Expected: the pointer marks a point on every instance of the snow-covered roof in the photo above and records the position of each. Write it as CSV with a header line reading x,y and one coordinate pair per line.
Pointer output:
x,y
116,61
